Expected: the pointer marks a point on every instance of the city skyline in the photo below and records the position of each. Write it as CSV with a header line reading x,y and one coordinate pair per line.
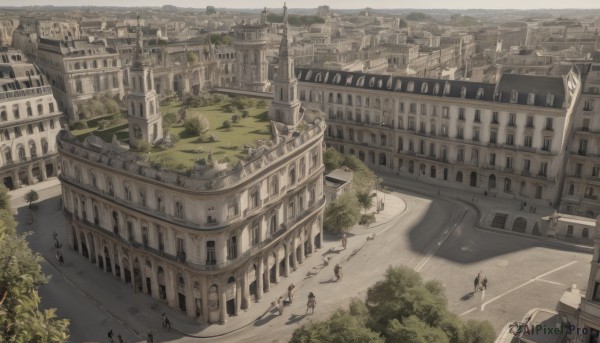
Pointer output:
x,y
334,4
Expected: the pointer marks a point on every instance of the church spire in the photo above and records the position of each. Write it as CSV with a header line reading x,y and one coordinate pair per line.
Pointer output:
x,y
285,44
139,45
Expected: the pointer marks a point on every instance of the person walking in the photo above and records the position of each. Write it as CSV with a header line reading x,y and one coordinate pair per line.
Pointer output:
x,y
150,338
484,283
110,335
291,292
337,270
280,306
166,323
476,282
344,241
312,302
120,338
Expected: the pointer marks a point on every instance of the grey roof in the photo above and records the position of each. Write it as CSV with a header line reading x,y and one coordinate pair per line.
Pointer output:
x,y
524,84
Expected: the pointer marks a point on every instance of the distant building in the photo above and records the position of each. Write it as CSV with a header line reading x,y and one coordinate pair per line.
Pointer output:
x,y
29,122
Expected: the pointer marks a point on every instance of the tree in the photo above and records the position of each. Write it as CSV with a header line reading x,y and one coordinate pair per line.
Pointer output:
x,y
21,320
343,326
417,16
4,198
365,200
227,124
31,197
479,332
196,125
220,39
332,159
342,214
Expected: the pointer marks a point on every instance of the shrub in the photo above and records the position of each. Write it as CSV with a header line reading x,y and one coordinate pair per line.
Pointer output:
x,y
236,118
143,146
175,139
227,124
212,138
261,103
79,125
245,113
367,219
103,124
242,102
228,108
196,124
169,120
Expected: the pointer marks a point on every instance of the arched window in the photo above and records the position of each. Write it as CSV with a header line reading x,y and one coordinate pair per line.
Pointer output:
x,y
274,185
459,177
151,107
29,110
44,146
141,110
40,109
178,209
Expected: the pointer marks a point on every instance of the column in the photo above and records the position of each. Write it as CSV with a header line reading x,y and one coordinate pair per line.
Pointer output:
x,y
259,279
294,257
223,303
265,275
302,250
204,291
287,259
190,298
113,259
16,180
43,170
277,271
154,282
171,288
239,288
88,246
30,174
122,265
246,290
143,275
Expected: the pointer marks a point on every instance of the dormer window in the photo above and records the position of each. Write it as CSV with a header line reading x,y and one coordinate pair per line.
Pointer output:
x,y
308,75
463,92
360,82
514,96
349,80
436,89
379,83
447,89
531,99
549,100
479,94
424,88
411,87
337,78
398,85
371,82
498,95
326,77
318,78
389,83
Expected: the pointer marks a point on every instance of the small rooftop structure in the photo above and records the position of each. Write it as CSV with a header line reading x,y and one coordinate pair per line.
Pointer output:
x,y
337,183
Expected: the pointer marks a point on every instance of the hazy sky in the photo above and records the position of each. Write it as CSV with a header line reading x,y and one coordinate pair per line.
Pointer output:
x,y
458,4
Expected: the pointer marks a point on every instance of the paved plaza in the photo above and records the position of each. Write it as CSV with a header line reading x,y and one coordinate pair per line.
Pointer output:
x,y
437,235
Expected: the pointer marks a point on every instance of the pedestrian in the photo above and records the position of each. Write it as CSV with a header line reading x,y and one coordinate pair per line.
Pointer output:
x,y
280,305
120,338
150,338
312,302
344,241
337,270
167,323
291,292
485,192
484,283
438,192
476,282
110,335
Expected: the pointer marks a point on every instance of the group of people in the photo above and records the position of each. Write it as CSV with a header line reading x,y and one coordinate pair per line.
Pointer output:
x,y
310,305
58,245
480,283
110,337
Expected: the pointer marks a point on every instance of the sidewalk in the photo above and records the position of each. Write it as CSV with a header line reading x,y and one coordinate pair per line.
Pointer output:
x,y
140,311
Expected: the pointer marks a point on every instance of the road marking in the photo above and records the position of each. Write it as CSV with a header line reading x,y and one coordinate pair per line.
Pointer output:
x,y
482,296
552,282
526,283
467,312
440,242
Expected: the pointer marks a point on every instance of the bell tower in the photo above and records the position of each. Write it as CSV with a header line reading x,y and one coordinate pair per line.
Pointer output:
x,y
143,111
285,107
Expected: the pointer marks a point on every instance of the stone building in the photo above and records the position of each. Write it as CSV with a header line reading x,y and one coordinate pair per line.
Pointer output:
x,y
78,70
209,244
250,42
507,138
29,122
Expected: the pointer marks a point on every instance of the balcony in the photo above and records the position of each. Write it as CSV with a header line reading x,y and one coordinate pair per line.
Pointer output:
x,y
582,152
21,93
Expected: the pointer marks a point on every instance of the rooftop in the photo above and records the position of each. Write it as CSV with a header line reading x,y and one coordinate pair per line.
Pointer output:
x,y
228,146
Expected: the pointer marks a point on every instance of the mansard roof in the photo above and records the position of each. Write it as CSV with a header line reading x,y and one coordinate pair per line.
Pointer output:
x,y
541,86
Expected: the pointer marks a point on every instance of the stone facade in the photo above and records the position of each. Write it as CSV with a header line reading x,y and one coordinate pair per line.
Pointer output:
x,y
250,42
210,244
507,139
29,122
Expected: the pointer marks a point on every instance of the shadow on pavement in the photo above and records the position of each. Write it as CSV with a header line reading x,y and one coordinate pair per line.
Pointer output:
x,y
294,318
467,296
265,320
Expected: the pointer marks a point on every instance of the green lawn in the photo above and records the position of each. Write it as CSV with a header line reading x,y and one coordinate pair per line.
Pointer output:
x,y
228,145
182,156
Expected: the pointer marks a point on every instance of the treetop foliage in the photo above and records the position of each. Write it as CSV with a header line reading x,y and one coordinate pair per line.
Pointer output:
x,y
399,308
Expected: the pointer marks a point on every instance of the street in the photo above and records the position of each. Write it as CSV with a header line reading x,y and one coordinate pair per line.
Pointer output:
x,y
437,237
